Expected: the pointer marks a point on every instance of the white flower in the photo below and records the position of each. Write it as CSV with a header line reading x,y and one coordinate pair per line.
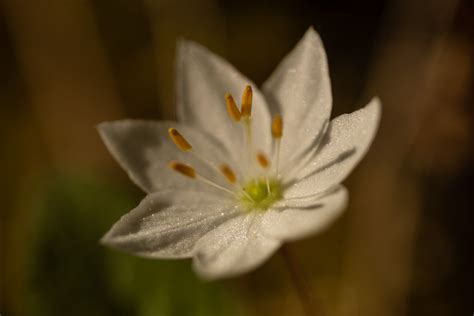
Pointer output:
x,y
244,188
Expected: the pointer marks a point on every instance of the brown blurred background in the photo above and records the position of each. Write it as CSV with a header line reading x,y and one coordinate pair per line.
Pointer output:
x,y
403,248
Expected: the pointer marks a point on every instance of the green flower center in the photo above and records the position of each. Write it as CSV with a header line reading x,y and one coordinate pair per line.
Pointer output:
x,y
261,193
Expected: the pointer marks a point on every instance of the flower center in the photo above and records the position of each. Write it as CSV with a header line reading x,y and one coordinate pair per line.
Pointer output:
x,y
261,193
258,193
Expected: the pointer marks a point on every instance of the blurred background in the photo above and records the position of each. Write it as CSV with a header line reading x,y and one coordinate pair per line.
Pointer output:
x,y
405,246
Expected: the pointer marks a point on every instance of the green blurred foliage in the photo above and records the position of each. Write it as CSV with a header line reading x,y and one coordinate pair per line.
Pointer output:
x,y
69,271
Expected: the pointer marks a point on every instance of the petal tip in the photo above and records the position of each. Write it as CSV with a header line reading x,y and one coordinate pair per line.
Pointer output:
x,y
313,35
207,275
375,101
181,43
106,240
217,271
311,31
106,130
103,128
185,47
375,108
203,274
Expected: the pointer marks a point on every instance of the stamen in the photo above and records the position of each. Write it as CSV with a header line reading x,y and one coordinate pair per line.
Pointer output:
x,y
277,133
232,107
277,159
182,168
179,139
247,127
263,160
189,171
184,145
228,173
247,195
277,126
264,163
215,185
269,190
246,108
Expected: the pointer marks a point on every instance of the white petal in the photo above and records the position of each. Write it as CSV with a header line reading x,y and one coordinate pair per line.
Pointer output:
x,y
233,248
300,90
304,217
168,224
348,139
144,149
202,81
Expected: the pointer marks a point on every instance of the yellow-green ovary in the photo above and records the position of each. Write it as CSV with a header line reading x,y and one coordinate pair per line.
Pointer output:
x,y
258,196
